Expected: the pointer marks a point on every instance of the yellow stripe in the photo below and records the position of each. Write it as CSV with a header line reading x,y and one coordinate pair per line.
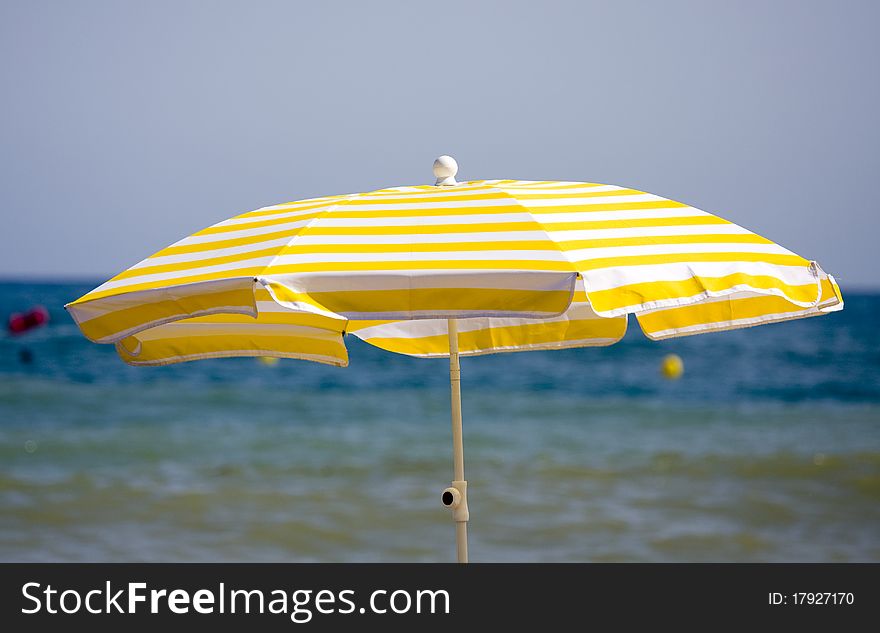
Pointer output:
x,y
519,183
652,240
548,334
437,210
538,185
456,195
283,293
257,224
636,294
234,345
432,300
289,317
716,312
195,264
190,328
113,323
424,247
830,291
523,245
504,227
492,264
452,195
609,206
184,249
587,194
679,258
288,209
418,189
630,223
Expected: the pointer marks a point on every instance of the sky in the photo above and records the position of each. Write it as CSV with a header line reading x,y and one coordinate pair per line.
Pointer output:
x,y
125,126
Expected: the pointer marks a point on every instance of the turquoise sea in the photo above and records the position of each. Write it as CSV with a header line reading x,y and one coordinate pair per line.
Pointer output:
x,y
768,449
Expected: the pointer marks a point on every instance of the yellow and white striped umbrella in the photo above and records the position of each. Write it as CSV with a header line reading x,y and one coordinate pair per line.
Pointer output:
x,y
472,268
522,265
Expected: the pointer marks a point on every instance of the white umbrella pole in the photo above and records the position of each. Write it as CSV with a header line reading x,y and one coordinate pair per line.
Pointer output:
x,y
455,497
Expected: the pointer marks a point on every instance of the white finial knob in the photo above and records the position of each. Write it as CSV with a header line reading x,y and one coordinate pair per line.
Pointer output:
x,y
445,169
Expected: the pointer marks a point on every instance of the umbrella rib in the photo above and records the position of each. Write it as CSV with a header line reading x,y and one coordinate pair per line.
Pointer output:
x,y
345,199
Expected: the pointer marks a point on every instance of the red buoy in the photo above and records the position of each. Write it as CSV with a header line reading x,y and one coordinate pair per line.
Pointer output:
x,y
24,321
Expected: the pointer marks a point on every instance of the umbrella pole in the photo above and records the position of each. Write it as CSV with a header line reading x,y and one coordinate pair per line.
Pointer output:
x,y
455,497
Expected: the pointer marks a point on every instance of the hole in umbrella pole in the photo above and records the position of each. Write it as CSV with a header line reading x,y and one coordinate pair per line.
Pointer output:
x,y
447,498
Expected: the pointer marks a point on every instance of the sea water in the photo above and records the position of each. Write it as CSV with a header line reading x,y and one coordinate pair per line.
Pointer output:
x,y
767,449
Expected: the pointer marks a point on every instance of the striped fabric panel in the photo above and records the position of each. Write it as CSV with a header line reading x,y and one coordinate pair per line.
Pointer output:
x,y
113,318
490,250
579,326
734,311
677,256
276,331
442,294
285,333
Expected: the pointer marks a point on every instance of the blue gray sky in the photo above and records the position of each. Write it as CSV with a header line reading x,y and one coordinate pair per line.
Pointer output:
x,y
128,125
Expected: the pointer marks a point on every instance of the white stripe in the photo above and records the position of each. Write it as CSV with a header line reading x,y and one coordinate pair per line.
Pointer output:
x,y
176,274
396,204
606,279
724,325
182,328
303,203
507,236
386,315
447,199
440,204
273,306
400,192
210,254
583,202
565,344
552,188
648,231
549,255
441,192
537,184
609,278
583,187
415,221
631,214
514,216
97,308
168,360
437,327
229,235
422,238
442,278
673,249
247,219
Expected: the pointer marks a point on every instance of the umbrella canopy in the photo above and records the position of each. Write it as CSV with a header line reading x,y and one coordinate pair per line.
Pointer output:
x,y
529,265
456,268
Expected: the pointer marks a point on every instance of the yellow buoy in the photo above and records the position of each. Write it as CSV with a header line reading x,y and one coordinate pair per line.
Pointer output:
x,y
672,367
269,361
